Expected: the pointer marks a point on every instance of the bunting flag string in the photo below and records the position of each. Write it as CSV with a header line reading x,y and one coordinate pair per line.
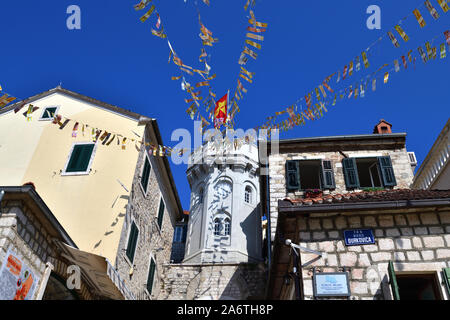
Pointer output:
x,y
316,111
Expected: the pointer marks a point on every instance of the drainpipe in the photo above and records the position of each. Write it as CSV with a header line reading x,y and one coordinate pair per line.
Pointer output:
x,y
2,193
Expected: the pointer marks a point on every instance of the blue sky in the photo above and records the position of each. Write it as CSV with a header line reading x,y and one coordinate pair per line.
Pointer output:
x,y
116,59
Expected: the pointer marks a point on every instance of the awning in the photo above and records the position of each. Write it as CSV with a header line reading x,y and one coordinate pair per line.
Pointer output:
x,y
99,273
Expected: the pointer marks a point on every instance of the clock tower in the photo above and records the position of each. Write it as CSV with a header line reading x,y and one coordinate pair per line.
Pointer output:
x,y
225,214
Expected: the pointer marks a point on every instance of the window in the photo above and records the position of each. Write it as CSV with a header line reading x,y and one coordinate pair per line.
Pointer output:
x,y
418,287
248,195
368,172
151,276
309,174
80,158
145,174
227,227
49,113
161,213
217,227
132,241
179,234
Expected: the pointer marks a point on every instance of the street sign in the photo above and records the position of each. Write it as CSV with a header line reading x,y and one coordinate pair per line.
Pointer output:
x,y
358,237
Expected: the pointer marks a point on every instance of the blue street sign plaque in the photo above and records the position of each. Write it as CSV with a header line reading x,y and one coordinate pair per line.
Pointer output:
x,y
358,237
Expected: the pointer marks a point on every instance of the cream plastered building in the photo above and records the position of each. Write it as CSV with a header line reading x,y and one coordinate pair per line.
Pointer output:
x,y
91,205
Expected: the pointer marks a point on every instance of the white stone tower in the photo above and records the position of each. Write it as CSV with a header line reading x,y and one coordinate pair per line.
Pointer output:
x,y
225,214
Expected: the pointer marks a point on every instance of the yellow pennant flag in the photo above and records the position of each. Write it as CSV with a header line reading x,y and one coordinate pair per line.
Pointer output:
x,y
402,33
255,37
419,18
257,24
317,94
141,5
202,84
386,77
251,53
248,73
253,43
244,77
443,51
366,62
443,4
148,14
323,91
176,78
350,70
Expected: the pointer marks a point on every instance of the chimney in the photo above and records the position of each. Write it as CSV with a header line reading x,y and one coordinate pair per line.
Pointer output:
x,y
383,127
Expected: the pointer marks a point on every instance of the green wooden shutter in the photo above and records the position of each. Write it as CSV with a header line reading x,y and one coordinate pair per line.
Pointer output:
x,y
292,175
327,175
446,277
350,173
161,213
80,157
132,241
151,276
393,281
145,174
387,171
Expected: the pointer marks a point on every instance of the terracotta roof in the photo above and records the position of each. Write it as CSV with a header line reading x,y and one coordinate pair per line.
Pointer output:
x,y
186,212
373,196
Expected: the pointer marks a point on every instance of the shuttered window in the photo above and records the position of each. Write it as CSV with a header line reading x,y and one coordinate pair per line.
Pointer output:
x,y
446,276
151,276
145,174
80,158
327,175
132,241
350,173
292,175
387,171
393,281
161,213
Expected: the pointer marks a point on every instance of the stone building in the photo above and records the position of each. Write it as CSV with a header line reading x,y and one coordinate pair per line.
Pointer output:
x,y
323,192
223,258
434,172
112,195
36,255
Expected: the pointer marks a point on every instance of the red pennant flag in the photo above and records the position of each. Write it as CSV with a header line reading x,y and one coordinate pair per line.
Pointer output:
x,y
220,112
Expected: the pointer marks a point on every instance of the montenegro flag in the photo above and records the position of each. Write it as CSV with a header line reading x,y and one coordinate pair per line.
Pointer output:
x,y
220,112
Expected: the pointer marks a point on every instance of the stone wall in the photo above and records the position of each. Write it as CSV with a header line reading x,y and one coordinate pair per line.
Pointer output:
x,y
277,174
152,241
414,241
21,232
214,282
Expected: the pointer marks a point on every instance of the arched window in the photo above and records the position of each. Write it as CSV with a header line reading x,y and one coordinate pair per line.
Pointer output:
x,y
227,226
217,227
248,195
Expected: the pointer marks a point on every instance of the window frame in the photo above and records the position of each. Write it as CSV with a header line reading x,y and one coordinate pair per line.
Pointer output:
x,y
148,273
80,173
161,200
128,241
248,191
217,233
227,223
146,158
41,118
